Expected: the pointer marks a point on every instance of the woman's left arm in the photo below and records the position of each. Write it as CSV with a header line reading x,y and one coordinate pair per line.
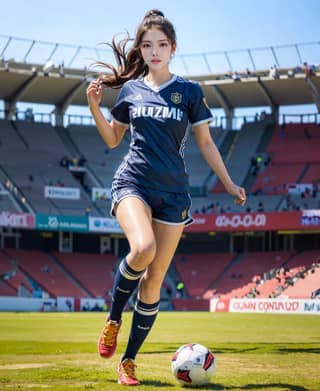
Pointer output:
x,y
212,155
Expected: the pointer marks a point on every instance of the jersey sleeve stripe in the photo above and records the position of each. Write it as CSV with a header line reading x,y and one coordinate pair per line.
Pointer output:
x,y
203,121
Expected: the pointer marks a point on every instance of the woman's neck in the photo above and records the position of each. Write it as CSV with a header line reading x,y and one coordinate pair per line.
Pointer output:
x,y
157,79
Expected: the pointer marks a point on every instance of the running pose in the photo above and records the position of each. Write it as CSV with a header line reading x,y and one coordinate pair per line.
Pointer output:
x,y
150,196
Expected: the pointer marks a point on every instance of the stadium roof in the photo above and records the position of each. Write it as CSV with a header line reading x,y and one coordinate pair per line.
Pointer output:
x,y
22,82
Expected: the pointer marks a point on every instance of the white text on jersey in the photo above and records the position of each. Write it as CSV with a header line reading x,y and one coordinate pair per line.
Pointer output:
x,y
157,112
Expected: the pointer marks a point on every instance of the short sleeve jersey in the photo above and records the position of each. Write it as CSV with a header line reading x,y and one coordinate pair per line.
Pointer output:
x,y
159,122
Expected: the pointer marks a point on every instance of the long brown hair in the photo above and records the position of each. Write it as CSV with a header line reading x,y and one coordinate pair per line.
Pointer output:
x,y
130,64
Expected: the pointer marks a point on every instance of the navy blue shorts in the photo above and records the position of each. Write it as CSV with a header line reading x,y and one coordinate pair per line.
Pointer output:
x,y
166,207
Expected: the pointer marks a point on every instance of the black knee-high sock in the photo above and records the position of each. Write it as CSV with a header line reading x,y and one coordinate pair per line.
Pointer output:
x,y
126,280
143,318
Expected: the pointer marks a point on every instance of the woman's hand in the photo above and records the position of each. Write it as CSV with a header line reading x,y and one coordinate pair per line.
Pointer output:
x,y
94,93
239,193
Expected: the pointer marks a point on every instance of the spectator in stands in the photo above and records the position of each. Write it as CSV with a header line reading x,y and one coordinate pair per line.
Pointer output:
x,y
236,76
267,161
28,115
169,291
315,293
274,72
82,161
96,308
248,73
60,183
179,289
88,211
69,304
54,306
74,162
282,133
307,69
291,73
150,196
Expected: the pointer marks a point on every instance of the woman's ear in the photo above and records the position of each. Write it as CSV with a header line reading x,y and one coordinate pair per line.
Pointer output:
x,y
173,49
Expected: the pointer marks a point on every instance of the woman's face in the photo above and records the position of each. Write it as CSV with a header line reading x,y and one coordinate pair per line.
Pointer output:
x,y
156,49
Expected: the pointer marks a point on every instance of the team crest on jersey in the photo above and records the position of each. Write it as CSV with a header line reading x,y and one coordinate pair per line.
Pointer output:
x,y
184,214
176,98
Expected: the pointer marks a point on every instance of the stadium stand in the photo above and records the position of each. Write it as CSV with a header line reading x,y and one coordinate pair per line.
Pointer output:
x,y
100,159
7,204
244,146
244,274
6,290
198,170
41,150
290,157
93,271
12,276
291,151
42,269
9,138
304,287
194,270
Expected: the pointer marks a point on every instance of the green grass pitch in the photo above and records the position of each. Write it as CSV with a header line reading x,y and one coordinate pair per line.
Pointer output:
x,y
57,351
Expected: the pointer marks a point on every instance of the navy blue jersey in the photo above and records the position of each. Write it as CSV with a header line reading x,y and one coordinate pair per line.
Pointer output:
x,y
159,123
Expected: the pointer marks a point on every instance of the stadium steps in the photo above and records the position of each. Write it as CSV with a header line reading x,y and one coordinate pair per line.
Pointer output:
x,y
7,201
224,149
16,193
227,143
6,289
35,284
20,135
249,181
303,173
19,278
266,138
174,277
69,275
235,261
264,141
245,143
73,149
92,177
54,281
304,258
303,287
94,271
67,141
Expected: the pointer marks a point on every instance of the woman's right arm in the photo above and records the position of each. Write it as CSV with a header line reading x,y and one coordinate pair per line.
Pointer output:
x,y
111,132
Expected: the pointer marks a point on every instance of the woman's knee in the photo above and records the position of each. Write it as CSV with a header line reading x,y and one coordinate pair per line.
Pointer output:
x,y
143,253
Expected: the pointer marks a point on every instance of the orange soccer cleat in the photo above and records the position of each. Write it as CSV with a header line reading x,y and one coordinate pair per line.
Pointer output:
x,y
126,373
107,342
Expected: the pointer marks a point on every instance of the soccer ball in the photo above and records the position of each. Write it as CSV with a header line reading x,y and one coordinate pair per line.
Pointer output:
x,y
193,365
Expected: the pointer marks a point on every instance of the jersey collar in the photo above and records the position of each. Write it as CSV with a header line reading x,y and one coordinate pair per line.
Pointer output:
x,y
162,86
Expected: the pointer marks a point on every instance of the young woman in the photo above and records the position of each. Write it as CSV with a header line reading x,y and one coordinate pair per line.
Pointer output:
x,y
150,196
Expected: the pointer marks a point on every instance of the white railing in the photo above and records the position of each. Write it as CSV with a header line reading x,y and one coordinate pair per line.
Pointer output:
x,y
213,62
